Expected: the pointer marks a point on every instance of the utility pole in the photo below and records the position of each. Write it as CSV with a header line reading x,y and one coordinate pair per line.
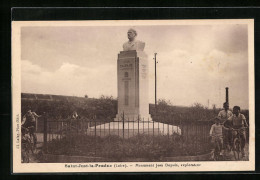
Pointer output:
x,y
155,62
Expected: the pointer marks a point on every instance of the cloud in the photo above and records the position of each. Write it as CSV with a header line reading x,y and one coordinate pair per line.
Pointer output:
x,y
230,38
195,63
186,77
28,67
50,47
69,79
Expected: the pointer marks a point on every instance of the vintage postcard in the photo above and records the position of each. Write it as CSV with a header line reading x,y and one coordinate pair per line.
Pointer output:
x,y
133,96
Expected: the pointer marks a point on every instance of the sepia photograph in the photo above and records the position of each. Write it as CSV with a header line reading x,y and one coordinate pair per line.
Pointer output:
x,y
133,96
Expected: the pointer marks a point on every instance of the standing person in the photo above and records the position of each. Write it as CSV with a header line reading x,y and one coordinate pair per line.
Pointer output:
x,y
224,115
238,121
216,134
29,121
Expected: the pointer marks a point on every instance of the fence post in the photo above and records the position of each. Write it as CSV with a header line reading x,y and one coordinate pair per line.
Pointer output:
x,y
143,125
196,140
138,124
118,133
153,129
100,126
36,124
163,128
123,133
123,125
158,127
45,132
182,134
57,130
168,130
128,129
109,128
153,133
133,126
70,130
95,134
148,126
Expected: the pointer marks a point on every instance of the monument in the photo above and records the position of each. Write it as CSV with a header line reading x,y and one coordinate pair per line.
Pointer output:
x,y
133,116
132,81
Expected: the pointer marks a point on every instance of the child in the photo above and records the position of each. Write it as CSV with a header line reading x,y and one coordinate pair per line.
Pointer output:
x,y
216,132
238,121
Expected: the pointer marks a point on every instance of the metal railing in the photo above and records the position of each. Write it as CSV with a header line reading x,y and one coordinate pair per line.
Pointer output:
x,y
91,136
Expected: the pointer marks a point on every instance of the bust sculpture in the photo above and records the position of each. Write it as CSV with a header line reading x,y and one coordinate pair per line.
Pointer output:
x,y
133,44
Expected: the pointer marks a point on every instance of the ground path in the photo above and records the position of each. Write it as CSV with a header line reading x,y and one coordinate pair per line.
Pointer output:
x,y
230,155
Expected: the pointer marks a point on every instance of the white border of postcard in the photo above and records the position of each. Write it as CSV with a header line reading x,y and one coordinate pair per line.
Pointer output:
x,y
19,167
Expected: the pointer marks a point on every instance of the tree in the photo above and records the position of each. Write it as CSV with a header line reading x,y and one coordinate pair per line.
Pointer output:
x,y
214,108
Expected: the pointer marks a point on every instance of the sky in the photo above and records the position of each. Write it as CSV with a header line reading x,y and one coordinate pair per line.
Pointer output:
x,y
195,62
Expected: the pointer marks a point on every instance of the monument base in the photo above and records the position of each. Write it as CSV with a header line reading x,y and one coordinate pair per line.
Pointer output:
x,y
132,82
133,117
129,129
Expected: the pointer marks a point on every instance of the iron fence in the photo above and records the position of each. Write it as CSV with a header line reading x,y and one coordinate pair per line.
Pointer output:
x,y
125,138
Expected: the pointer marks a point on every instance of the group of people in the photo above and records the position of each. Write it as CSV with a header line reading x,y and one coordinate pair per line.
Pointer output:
x,y
225,124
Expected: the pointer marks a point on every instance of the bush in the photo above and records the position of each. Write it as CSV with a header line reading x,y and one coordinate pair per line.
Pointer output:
x,y
166,113
104,108
118,149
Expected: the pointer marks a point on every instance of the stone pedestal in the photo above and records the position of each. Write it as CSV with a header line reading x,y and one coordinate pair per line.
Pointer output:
x,y
132,80
129,129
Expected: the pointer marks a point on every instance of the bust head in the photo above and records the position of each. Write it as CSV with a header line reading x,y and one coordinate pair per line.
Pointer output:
x,y
131,34
133,44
